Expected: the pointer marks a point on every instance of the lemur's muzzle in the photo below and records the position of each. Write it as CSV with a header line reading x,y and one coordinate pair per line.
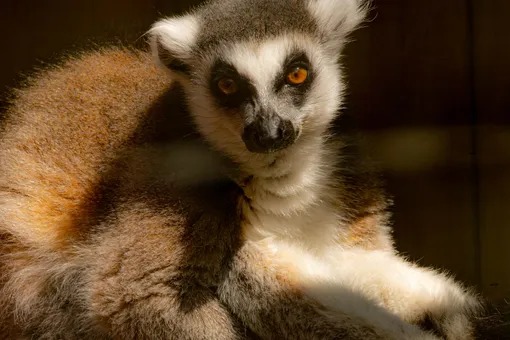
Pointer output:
x,y
268,134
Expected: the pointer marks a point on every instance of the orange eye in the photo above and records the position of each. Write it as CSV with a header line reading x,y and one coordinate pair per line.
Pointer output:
x,y
298,76
227,86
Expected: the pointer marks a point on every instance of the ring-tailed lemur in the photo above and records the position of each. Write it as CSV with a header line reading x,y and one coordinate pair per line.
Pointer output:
x,y
261,226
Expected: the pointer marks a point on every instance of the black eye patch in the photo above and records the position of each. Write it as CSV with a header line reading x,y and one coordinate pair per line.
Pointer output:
x,y
297,92
245,91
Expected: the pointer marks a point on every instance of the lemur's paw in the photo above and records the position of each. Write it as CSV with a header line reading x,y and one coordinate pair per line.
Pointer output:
x,y
456,327
453,317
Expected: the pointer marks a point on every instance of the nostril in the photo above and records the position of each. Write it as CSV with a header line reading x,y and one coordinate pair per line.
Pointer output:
x,y
251,137
286,131
282,130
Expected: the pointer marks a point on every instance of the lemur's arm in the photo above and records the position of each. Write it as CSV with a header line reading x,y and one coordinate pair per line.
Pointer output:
x,y
273,308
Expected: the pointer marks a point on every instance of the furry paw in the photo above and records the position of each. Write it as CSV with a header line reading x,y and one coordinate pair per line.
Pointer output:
x,y
453,317
457,327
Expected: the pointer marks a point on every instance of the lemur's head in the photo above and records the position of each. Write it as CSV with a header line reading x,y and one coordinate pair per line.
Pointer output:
x,y
259,75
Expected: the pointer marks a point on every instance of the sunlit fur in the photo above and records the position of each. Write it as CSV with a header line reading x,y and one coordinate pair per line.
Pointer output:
x,y
110,229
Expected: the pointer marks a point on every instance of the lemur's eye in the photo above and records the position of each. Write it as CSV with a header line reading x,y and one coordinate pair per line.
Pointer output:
x,y
297,76
227,86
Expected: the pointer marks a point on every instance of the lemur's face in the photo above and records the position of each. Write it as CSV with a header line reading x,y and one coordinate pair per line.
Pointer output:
x,y
264,92
262,75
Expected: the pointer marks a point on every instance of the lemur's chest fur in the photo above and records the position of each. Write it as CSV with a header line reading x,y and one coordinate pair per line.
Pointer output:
x,y
298,220
316,249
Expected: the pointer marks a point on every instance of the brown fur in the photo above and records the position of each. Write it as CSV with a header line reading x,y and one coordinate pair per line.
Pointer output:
x,y
63,131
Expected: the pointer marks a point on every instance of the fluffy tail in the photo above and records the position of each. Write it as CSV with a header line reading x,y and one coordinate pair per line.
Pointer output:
x,y
60,134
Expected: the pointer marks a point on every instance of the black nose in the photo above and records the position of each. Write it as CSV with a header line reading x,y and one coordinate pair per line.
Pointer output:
x,y
266,135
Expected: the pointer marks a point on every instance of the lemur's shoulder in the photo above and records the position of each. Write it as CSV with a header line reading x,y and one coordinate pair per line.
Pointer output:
x,y
361,194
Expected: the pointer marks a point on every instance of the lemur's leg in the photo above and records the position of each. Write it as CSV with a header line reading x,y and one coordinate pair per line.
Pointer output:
x,y
141,286
270,301
418,295
153,271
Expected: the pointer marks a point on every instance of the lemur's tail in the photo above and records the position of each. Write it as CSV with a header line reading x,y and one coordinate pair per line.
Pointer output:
x,y
61,132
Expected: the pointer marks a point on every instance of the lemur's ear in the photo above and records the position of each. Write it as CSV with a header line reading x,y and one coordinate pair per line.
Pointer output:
x,y
172,41
337,18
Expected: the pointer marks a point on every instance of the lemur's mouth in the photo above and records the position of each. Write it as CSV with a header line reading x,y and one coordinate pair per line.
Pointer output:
x,y
266,135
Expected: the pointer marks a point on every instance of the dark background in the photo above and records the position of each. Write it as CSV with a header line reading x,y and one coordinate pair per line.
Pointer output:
x,y
429,85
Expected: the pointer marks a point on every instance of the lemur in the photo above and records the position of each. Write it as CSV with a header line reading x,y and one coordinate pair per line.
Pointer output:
x,y
200,190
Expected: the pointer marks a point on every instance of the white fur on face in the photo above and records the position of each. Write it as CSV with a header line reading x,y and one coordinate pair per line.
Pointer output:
x,y
261,63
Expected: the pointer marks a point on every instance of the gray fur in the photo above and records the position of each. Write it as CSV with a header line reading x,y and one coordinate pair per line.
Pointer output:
x,y
225,21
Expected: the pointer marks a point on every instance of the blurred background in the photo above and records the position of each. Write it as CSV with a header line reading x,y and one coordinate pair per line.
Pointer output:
x,y
429,86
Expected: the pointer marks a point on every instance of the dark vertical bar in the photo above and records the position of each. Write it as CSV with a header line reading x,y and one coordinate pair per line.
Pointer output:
x,y
474,122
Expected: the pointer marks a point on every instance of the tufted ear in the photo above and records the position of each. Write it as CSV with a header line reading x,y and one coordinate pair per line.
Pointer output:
x,y
172,41
337,18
